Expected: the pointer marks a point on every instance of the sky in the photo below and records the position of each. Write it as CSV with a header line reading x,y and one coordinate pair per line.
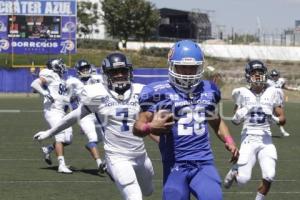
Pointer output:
x,y
243,16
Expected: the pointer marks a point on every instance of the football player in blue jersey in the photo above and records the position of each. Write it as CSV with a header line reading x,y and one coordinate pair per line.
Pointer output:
x,y
179,110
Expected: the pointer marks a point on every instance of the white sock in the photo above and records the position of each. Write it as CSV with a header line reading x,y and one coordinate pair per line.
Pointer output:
x,y
259,196
281,129
61,160
98,161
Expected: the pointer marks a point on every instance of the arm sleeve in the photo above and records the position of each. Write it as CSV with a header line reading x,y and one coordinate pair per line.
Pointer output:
x,y
37,85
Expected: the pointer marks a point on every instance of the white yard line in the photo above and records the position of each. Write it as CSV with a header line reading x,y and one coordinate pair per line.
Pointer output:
x,y
9,111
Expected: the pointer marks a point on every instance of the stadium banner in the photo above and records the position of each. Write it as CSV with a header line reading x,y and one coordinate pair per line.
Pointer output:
x,y
38,26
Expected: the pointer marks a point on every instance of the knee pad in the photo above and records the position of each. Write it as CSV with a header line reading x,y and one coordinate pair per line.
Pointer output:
x,y
91,145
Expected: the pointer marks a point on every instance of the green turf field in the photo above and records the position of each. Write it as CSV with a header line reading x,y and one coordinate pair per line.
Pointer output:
x,y
24,175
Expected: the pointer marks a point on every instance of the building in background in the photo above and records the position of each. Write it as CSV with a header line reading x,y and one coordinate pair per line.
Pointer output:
x,y
184,24
99,31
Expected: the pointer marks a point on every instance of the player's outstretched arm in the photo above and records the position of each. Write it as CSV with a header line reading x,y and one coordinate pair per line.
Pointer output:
x,y
290,88
156,123
222,131
67,121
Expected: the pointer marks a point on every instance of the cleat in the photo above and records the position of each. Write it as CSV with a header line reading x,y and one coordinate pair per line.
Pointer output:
x,y
102,168
229,178
64,169
47,156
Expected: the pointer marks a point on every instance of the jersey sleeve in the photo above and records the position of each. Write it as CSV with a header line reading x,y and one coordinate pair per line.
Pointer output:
x,y
236,97
282,82
91,98
217,92
212,107
146,99
97,78
74,86
47,75
278,99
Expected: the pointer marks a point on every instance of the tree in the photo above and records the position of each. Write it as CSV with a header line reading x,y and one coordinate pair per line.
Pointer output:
x,y
88,16
129,18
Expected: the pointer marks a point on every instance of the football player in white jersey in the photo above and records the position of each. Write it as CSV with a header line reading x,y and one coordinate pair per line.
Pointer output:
x,y
52,87
257,106
88,124
276,81
115,104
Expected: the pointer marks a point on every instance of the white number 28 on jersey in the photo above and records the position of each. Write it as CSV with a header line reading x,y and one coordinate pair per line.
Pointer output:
x,y
191,121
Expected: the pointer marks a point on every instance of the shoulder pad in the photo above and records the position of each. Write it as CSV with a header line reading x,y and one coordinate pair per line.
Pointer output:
x,y
93,94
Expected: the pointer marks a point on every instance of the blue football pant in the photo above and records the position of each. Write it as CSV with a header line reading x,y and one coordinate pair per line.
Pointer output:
x,y
202,180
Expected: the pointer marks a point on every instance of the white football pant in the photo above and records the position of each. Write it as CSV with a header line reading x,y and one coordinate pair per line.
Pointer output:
x,y
54,116
133,176
256,147
92,131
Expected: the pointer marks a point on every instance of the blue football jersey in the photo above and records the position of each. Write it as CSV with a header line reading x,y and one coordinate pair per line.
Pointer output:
x,y
189,138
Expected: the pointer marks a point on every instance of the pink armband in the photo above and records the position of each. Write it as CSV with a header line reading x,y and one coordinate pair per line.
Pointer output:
x,y
228,139
146,127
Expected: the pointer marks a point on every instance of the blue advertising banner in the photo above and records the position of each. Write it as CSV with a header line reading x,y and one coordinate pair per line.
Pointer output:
x,y
38,27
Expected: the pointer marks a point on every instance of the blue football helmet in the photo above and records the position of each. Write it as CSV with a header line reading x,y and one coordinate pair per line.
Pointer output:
x,y
117,72
274,74
84,69
57,65
256,72
188,54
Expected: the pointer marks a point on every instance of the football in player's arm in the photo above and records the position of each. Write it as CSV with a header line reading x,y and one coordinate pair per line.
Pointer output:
x,y
257,107
178,111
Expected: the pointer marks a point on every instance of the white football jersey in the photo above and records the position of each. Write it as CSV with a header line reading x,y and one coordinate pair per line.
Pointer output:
x,y
278,84
56,87
117,116
256,121
75,86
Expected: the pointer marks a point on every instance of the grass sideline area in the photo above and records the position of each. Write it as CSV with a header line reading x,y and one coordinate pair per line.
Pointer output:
x,y
25,176
93,55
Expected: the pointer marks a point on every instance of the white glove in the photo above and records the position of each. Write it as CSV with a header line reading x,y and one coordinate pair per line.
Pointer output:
x,y
240,115
42,135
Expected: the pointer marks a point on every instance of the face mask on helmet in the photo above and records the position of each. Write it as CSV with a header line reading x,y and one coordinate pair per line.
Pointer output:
x,y
185,64
84,69
119,79
117,71
256,73
258,77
